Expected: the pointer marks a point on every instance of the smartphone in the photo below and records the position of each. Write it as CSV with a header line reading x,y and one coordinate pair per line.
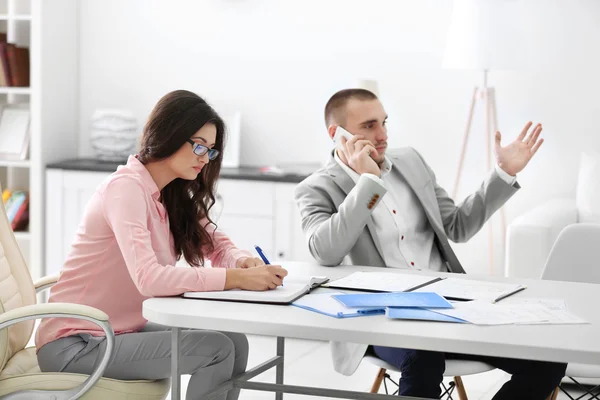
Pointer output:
x,y
339,132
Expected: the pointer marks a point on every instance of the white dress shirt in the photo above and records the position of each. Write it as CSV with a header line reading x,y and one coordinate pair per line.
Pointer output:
x,y
403,230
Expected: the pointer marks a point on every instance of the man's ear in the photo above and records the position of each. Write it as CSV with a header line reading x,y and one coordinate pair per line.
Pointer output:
x,y
331,130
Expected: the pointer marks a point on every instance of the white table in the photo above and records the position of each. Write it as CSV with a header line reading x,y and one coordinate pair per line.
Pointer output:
x,y
558,343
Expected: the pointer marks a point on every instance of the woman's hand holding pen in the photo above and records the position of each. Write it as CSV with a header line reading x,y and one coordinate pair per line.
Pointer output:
x,y
249,262
259,278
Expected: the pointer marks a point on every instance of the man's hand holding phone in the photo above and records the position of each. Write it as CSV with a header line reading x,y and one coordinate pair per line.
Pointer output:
x,y
356,152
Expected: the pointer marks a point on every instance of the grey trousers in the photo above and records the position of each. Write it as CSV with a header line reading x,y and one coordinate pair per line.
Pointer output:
x,y
210,357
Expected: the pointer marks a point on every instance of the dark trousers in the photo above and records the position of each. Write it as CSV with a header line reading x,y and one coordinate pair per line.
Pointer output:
x,y
422,373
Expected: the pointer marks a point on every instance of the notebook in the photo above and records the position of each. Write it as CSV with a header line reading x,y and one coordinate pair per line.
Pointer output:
x,y
382,281
293,288
403,299
466,289
324,303
450,288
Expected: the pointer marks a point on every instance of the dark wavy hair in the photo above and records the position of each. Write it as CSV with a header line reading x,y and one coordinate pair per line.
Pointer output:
x,y
176,117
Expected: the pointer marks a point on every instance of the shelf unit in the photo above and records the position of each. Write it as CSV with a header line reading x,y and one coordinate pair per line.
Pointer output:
x,y
22,236
53,103
14,90
15,164
15,21
16,17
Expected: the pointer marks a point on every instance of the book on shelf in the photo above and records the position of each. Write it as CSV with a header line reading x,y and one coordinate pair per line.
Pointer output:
x,y
14,131
16,203
14,64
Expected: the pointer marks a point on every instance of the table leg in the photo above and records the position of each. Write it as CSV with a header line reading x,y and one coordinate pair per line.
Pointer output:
x,y
279,368
175,381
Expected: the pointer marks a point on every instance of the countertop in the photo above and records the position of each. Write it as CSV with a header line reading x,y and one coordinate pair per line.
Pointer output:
x,y
291,174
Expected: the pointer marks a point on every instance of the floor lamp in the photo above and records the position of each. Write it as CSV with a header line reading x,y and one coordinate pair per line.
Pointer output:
x,y
479,38
369,84
485,96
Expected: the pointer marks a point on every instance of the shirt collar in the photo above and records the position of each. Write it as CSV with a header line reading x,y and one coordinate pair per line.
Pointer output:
x,y
386,167
135,165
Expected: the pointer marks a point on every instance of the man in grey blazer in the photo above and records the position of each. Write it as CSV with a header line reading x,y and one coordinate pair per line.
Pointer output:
x,y
379,207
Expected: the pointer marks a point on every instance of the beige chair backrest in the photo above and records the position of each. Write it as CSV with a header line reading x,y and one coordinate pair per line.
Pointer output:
x,y
16,290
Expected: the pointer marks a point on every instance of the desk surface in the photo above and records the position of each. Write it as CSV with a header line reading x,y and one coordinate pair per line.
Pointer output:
x,y
561,343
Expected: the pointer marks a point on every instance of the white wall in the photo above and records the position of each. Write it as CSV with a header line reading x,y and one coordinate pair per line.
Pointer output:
x,y
279,61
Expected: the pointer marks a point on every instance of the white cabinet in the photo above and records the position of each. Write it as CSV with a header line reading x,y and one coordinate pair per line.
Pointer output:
x,y
263,214
290,242
67,195
250,212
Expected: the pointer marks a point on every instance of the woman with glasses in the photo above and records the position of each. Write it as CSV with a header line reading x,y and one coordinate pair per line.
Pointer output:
x,y
139,222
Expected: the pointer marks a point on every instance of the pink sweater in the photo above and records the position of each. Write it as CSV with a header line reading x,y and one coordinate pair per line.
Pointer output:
x,y
123,254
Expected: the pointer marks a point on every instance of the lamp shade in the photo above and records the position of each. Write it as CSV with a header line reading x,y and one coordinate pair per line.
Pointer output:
x,y
369,84
488,34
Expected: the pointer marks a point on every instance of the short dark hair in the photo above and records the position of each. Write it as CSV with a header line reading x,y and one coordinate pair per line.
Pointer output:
x,y
339,100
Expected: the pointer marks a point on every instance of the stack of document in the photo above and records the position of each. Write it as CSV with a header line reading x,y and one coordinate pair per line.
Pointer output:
x,y
341,305
426,306
419,297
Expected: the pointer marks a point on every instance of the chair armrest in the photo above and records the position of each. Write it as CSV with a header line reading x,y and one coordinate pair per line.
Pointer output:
x,y
64,310
45,282
530,237
60,309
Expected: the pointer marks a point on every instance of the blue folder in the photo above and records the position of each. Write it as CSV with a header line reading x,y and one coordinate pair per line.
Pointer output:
x,y
396,299
420,314
323,303
346,314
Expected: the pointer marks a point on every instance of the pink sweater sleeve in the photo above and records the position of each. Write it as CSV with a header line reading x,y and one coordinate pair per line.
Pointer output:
x,y
125,205
224,254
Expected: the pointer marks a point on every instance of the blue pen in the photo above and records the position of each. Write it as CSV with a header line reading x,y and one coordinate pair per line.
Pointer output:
x,y
264,258
262,255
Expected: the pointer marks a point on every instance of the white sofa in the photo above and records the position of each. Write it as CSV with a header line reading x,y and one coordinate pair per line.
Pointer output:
x,y
530,237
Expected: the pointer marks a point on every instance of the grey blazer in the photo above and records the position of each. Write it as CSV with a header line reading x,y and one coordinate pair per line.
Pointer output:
x,y
337,222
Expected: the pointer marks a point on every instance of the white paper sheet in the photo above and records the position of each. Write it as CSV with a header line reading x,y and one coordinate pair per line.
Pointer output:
x,y
554,304
534,312
485,313
554,310
381,281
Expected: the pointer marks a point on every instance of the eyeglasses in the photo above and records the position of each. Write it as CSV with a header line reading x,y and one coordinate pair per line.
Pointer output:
x,y
201,150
